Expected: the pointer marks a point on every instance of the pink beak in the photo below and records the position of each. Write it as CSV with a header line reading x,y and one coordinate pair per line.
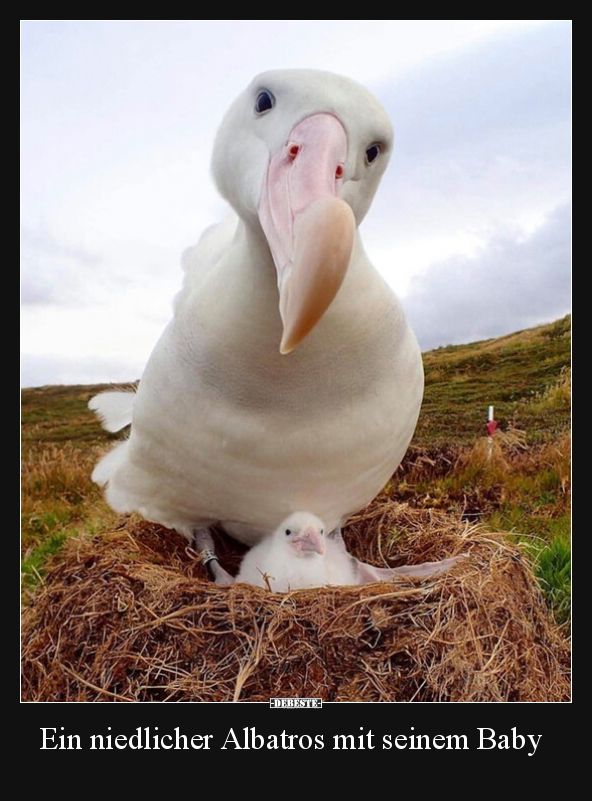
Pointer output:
x,y
310,230
309,539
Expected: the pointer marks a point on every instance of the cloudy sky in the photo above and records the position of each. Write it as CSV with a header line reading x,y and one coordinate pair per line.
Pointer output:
x,y
471,224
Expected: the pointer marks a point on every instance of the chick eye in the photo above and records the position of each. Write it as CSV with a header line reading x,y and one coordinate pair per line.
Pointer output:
x,y
372,153
288,532
265,101
322,531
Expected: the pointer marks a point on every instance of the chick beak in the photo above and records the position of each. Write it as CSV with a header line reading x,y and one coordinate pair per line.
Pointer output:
x,y
309,539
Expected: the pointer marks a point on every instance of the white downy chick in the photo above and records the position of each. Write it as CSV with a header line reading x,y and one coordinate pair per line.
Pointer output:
x,y
297,556
300,555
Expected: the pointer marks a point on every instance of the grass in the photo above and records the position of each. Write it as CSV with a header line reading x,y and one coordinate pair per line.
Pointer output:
x,y
553,570
524,375
61,442
58,500
59,414
508,485
131,615
523,487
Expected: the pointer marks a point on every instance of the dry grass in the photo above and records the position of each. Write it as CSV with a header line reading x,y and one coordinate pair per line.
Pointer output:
x,y
58,500
555,396
131,616
495,453
58,472
505,463
56,492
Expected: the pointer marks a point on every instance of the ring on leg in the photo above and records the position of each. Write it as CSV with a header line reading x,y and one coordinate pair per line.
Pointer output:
x,y
204,545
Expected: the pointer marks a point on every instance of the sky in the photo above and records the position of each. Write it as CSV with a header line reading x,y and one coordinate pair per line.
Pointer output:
x,y
471,225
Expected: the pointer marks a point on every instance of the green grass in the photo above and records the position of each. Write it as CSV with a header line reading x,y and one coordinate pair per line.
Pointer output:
x,y
33,565
553,569
58,501
548,540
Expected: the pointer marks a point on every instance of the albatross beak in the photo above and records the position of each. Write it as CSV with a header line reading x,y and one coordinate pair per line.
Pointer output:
x,y
310,230
310,539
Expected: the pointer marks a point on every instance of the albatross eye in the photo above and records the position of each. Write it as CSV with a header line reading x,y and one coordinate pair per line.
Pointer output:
x,y
288,532
265,101
372,153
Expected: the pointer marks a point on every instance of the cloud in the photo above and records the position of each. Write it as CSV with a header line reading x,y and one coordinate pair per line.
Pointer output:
x,y
519,82
52,272
118,123
482,138
39,370
512,283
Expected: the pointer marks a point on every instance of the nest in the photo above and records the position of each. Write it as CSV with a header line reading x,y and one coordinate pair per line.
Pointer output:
x,y
132,616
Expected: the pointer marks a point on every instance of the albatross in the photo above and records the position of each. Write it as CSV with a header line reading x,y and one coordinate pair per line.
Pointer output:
x,y
294,557
288,377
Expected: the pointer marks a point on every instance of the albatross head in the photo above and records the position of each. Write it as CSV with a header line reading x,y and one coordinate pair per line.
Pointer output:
x,y
300,153
303,534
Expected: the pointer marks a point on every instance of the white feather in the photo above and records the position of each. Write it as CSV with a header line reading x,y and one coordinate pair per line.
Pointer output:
x,y
109,465
114,409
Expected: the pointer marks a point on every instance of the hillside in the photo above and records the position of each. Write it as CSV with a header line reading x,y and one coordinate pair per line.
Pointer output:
x,y
525,375
59,414
522,486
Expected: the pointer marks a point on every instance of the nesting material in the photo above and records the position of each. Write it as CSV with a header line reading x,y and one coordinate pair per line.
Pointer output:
x,y
132,616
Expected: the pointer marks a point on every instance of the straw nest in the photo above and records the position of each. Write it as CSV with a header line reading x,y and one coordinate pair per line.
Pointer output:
x,y
132,616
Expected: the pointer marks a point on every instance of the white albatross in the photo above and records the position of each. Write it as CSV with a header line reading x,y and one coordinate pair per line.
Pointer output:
x,y
288,377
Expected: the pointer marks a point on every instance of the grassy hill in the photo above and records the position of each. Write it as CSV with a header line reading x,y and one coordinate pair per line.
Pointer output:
x,y
525,375
59,414
521,486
